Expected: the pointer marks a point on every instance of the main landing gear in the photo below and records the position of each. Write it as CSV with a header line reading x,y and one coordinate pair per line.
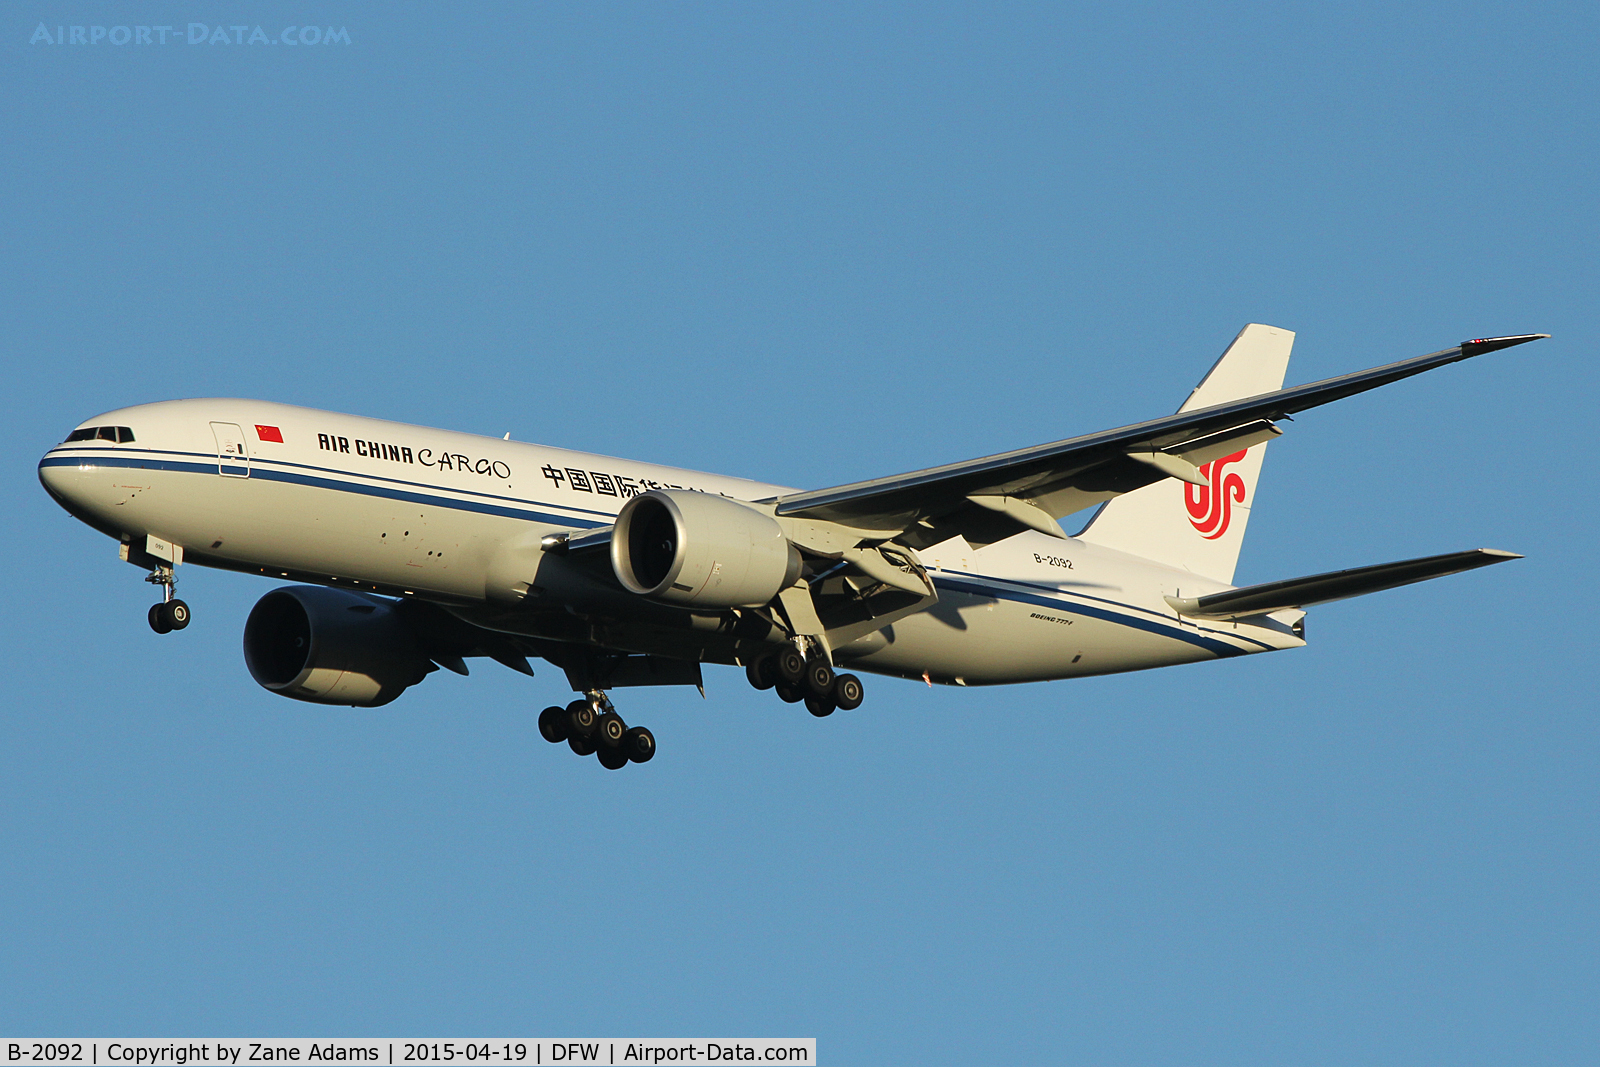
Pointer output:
x,y
592,727
813,681
172,613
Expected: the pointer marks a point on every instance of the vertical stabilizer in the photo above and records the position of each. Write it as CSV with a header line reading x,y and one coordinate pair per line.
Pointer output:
x,y
1200,528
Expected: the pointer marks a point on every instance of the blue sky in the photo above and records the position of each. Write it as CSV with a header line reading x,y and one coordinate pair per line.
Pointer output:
x,y
810,245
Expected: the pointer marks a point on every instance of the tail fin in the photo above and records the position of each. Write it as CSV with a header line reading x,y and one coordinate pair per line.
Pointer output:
x,y
1201,528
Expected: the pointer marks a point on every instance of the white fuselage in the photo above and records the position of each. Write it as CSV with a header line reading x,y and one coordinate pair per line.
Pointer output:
x,y
457,519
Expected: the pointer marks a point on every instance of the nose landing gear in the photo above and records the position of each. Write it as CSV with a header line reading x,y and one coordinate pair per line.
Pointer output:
x,y
592,727
172,613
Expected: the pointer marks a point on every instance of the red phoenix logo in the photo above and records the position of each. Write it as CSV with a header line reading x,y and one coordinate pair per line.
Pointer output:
x,y
1211,506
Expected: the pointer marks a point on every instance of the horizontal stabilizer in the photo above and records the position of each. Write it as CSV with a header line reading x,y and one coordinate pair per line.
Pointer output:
x,y
1336,585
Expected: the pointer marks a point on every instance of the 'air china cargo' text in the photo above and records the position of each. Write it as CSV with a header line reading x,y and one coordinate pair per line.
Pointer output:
x,y
427,457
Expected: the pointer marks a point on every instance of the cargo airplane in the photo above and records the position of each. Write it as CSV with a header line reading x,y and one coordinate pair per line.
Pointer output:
x,y
415,549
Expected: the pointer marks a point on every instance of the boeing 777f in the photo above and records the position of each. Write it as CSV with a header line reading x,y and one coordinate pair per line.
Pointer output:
x,y
418,548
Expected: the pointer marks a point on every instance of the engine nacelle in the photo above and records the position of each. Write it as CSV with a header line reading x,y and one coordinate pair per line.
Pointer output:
x,y
701,551
331,646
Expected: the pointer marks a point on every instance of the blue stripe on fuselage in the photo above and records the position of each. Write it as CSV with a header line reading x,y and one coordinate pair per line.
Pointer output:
x,y
994,592
270,474
1159,618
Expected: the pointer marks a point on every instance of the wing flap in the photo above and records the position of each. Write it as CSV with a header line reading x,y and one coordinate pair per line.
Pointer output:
x,y
1023,512
1201,450
1335,585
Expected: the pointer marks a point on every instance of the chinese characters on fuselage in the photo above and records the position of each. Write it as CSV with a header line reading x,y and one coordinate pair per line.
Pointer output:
x,y
602,483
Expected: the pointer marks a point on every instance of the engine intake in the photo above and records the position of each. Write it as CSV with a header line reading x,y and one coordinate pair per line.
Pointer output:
x,y
331,646
702,551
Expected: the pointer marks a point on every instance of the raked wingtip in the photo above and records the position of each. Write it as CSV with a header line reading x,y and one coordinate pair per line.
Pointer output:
x,y
1479,345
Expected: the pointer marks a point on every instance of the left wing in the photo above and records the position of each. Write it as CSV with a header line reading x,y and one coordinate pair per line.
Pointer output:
x,y
1031,488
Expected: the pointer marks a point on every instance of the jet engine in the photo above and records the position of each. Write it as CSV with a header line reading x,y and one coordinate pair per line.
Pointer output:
x,y
701,551
331,646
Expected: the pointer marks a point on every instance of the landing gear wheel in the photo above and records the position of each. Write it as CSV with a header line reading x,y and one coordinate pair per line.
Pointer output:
x,y
819,679
612,759
847,692
177,613
790,694
580,721
821,707
553,724
158,619
583,746
639,744
791,666
761,672
609,730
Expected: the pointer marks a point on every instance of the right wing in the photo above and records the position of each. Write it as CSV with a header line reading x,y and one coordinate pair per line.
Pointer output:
x,y
1030,488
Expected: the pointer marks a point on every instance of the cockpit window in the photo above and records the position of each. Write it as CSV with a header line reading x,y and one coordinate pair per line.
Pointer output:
x,y
115,434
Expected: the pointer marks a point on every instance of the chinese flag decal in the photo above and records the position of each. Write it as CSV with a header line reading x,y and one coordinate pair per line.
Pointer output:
x,y
269,433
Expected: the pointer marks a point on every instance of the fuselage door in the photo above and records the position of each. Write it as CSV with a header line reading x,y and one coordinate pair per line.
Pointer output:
x,y
232,460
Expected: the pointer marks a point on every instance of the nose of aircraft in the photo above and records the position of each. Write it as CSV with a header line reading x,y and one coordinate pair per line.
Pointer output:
x,y
64,477
71,475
